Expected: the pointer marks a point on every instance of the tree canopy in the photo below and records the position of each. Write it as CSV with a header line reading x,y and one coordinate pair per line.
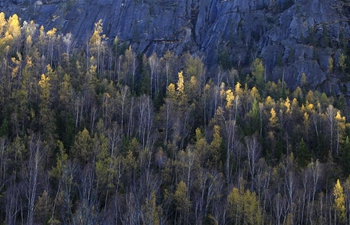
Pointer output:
x,y
100,134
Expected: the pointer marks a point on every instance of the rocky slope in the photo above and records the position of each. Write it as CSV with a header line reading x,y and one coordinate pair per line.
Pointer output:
x,y
291,36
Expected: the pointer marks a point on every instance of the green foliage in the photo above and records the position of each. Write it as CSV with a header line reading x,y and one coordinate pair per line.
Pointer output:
x,y
82,147
130,139
303,80
4,129
345,157
180,197
215,148
330,65
339,203
258,70
42,207
303,154
151,210
224,59
342,63
253,119
325,35
243,207
61,162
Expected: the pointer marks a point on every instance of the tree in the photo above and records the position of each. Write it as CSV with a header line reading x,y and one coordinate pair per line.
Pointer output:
x,y
82,147
195,70
67,40
14,28
331,113
340,128
128,73
243,207
258,70
315,169
342,62
63,173
345,157
30,31
145,120
253,153
181,87
46,119
215,148
230,128
182,202
330,65
66,126
35,157
303,154
272,133
3,24
43,207
170,60
253,119
150,211
13,31
339,204
236,205
229,99
303,81
201,145
97,44
347,196
166,111
273,120
51,34
153,61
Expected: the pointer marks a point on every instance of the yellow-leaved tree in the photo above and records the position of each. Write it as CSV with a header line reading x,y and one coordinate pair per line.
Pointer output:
x,y
339,204
150,210
181,86
243,207
182,202
46,119
97,43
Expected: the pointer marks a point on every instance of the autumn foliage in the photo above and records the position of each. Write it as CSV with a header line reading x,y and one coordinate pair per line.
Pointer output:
x,y
100,134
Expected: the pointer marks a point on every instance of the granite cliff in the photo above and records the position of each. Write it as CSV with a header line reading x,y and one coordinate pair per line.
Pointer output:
x,y
291,36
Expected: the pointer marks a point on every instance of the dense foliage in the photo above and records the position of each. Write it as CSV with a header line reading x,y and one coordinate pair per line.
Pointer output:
x,y
98,134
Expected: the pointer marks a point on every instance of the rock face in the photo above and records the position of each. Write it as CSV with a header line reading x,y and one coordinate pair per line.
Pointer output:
x,y
291,36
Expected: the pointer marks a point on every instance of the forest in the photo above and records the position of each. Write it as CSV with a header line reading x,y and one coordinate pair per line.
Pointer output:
x,y
99,134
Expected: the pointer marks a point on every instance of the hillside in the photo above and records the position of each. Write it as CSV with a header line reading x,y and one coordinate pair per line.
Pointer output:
x,y
98,127
292,37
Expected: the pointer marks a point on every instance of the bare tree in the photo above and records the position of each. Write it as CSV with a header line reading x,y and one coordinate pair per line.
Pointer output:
x,y
67,40
253,154
124,95
153,62
330,113
280,205
35,157
231,136
3,162
145,120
